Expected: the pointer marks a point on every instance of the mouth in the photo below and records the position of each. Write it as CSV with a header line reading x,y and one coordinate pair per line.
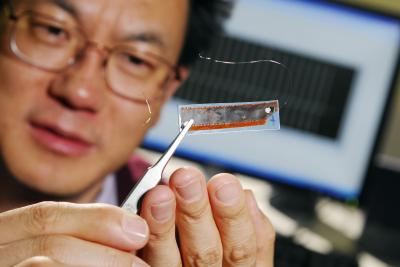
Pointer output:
x,y
59,140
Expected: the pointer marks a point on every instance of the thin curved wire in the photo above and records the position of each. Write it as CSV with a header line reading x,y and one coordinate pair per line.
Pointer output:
x,y
148,120
150,112
286,68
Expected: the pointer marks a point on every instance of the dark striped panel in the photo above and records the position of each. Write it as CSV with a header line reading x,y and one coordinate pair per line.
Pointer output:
x,y
314,101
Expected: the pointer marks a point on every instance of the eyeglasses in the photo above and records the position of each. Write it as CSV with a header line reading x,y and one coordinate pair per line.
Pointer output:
x,y
47,43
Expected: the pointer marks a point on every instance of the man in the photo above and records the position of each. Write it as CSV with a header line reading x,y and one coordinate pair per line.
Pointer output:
x,y
81,81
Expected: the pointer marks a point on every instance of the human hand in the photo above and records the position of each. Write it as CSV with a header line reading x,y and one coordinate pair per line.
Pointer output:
x,y
218,223
64,234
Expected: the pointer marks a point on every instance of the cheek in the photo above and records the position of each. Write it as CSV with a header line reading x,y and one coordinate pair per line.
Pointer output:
x,y
13,84
18,93
126,128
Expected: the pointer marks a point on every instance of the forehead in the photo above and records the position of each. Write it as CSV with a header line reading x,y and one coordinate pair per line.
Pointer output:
x,y
164,19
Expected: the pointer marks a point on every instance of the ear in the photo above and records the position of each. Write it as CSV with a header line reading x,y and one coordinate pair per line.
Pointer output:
x,y
173,84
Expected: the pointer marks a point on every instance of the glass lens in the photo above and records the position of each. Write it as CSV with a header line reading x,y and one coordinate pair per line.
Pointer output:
x,y
44,42
48,44
135,74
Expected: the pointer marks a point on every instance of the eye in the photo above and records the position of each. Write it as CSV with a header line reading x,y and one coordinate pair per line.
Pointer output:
x,y
136,65
54,30
135,60
139,65
49,33
50,30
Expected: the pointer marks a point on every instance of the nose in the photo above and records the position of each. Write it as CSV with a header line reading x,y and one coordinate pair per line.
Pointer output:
x,y
82,86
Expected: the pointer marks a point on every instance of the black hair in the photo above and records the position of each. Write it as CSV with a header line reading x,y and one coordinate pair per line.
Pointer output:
x,y
205,21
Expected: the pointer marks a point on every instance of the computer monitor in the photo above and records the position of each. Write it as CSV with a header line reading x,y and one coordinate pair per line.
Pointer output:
x,y
342,62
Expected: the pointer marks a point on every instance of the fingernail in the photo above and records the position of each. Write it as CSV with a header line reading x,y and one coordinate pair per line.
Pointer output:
x,y
135,227
189,189
162,212
228,193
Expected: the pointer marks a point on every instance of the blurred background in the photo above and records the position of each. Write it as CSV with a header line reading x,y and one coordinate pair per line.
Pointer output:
x,y
329,179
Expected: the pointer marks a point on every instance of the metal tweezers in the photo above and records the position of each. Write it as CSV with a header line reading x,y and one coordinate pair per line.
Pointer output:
x,y
153,175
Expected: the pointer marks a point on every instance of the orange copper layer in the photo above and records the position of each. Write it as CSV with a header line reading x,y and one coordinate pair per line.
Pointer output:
x,y
272,104
228,125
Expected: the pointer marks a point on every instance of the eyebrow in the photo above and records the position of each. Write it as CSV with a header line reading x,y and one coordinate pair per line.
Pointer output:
x,y
66,5
147,37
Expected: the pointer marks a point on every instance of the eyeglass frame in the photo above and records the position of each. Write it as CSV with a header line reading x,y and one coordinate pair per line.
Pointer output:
x,y
173,73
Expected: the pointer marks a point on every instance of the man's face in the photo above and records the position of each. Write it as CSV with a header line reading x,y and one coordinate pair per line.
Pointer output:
x,y
60,132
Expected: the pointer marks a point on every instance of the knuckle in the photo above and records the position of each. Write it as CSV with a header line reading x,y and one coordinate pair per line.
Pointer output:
x,y
244,254
102,212
52,246
196,213
234,218
160,237
112,259
41,216
209,257
45,245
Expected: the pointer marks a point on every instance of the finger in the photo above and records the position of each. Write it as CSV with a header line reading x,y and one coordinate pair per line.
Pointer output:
x,y
199,237
66,250
265,232
99,223
233,219
41,261
158,209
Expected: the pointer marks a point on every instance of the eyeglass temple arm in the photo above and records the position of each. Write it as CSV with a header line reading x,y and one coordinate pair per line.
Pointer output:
x,y
11,15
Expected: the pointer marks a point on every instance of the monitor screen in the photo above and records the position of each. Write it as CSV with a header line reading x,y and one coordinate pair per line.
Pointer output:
x,y
341,63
